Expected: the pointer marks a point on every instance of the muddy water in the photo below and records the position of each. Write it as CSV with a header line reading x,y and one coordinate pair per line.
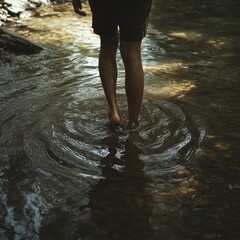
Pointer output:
x,y
67,174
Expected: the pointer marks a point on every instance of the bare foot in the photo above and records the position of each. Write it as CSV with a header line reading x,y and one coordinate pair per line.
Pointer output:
x,y
114,117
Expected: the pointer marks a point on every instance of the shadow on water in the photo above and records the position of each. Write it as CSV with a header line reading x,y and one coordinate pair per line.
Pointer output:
x,y
121,189
66,174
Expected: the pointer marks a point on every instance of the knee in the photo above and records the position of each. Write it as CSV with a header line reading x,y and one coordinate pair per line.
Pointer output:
x,y
130,53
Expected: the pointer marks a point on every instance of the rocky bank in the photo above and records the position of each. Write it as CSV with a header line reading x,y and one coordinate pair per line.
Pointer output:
x,y
14,8
12,11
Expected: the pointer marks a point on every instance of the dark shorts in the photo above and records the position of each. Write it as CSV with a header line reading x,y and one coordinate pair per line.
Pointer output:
x,y
131,16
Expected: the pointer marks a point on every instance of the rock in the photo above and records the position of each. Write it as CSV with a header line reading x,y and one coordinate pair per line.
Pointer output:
x,y
15,43
18,6
29,13
5,57
9,8
4,16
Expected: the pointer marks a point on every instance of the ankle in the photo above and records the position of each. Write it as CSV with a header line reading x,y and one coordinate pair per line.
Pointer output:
x,y
114,117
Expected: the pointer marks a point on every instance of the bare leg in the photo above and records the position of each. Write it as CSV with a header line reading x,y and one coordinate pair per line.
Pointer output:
x,y
108,74
131,55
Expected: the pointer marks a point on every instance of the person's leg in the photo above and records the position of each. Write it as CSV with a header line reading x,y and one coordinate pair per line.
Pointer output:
x,y
134,78
108,74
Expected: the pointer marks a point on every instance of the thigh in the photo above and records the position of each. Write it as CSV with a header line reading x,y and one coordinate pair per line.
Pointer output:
x,y
133,19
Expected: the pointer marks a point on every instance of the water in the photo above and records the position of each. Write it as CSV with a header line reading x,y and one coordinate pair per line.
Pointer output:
x,y
66,174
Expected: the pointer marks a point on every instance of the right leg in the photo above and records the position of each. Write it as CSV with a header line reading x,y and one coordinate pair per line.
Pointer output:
x,y
108,73
134,78
133,27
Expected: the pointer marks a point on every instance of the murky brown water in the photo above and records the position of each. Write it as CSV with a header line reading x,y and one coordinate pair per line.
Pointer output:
x,y
66,174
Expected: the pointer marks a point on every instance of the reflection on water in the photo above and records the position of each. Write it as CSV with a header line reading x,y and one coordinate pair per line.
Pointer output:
x,y
66,174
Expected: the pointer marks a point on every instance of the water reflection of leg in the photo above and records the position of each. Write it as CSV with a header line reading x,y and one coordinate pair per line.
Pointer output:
x,y
133,165
119,203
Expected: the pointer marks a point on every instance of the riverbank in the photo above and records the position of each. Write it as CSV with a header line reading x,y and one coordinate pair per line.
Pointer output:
x,y
13,10
13,17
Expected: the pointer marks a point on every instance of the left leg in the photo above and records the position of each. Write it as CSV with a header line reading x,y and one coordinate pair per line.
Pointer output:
x,y
104,23
108,73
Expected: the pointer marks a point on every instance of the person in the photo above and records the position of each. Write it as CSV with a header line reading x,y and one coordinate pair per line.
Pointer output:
x,y
123,24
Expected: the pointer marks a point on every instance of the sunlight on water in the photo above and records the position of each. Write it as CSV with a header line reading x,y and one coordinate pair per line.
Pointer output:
x,y
179,89
65,173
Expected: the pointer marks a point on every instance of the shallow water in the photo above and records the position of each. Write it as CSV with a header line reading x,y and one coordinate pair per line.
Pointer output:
x,y
66,174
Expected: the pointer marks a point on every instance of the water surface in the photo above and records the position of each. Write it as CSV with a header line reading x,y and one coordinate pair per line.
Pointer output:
x,y
65,173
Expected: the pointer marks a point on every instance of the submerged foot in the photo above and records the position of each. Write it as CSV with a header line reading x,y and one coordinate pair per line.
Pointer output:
x,y
133,126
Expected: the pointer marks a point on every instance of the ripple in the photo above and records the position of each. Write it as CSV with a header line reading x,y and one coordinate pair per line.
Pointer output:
x,y
172,138
66,143
73,143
